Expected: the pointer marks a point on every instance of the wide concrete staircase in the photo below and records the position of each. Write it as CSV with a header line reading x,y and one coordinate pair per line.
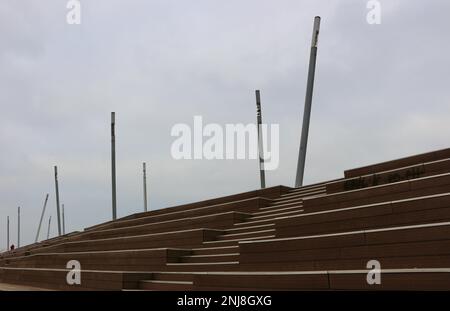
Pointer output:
x,y
317,237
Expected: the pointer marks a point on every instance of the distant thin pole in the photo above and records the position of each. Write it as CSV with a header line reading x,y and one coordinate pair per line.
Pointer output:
x,y
262,174
144,172
308,102
63,220
42,217
18,226
113,165
48,230
7,233
57,201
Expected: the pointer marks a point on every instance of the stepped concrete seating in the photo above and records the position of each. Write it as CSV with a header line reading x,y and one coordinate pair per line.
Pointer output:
x,y
394,175
272,192
317,237
371,216
27,248
210,208
415,246
395,191
403,162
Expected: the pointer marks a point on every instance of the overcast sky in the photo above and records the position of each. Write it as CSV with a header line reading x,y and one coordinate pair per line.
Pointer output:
x,y
381,93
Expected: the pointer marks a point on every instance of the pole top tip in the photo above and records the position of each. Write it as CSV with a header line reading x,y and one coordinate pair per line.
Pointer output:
x,y
316,29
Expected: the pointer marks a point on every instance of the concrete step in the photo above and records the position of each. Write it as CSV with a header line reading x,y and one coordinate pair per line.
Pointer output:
x,y
277,248
426,209
5,287
283,209
278,206
173,276
231,242
275,214
250,228
210,250
392,279
399,163
288,200
166,285
203,266
254,223
56,278
293,195
244,205
245,235
407,189
181,238
210,258
136,290
134,259
309,187
216,220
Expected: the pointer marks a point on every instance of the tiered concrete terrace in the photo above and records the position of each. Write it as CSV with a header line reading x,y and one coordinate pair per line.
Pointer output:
x,y
318,237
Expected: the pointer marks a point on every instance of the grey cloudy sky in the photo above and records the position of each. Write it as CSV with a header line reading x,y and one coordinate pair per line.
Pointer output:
x,y
381,93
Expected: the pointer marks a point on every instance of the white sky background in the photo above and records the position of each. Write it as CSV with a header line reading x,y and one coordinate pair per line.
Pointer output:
x,y
381,93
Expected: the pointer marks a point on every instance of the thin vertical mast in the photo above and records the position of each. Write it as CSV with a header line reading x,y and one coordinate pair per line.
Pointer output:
x,y
262,174
144,172
63,220
7,233
58,215
113,165
48,230
18,226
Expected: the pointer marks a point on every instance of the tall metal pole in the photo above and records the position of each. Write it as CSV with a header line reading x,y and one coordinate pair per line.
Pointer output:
x,y
7,233
48,230
144,172
63,220
57,201
262,174
42,217
308,102
113,165
18,226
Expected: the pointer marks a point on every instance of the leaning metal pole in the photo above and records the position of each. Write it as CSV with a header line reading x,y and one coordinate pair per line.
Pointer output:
x,y
262,174
113,165
308,101
58,214
42,217
144,172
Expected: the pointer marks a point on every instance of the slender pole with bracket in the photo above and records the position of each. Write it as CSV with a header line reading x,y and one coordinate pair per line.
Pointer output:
x,y
144,173
63,220
113,165
7,233
308,102
58,214
48,230
262,174
18,226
